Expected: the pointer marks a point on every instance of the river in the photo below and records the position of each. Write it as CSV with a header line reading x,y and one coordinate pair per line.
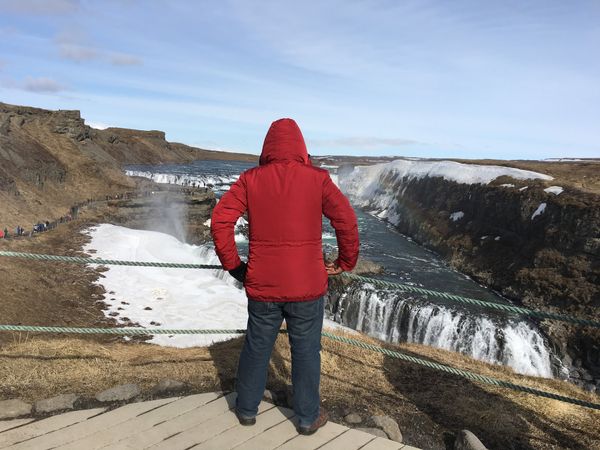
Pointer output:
x,y
398,316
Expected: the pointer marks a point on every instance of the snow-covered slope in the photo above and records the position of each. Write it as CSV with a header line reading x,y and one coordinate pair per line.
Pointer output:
x,y
377,186
363,181
174,298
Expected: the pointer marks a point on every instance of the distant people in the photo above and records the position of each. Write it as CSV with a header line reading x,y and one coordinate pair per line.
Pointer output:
x,y
5,232
1,234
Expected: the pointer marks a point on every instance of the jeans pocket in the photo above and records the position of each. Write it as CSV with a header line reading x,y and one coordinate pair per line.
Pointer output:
x,y
308,310
256,307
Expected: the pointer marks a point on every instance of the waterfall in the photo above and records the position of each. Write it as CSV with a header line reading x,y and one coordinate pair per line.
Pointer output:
x,y
398,317
219,182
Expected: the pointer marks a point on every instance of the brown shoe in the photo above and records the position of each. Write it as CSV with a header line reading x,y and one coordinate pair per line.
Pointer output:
x,y
312,428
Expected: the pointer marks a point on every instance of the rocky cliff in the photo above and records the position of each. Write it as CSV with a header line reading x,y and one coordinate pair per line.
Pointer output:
x,y
50,160
536,244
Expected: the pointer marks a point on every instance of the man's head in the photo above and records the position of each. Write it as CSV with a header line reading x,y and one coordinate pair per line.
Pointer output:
x,y
284,142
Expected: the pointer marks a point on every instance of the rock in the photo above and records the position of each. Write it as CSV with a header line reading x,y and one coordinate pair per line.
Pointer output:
x,y
353,418
167,386
468,441
270,396
9,409
119,393
374,431
389,425
58,403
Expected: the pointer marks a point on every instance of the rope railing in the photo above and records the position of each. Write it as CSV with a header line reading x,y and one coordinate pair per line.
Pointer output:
x,y
377,282
130,331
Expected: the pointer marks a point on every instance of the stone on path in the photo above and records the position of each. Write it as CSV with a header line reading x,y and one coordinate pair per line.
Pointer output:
x,y
468,441
390,426
270,396
374,431
168,386
353,418
59,403
9,409
119,393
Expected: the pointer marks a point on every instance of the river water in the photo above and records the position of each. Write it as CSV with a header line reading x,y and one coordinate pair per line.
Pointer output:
x,y
398,316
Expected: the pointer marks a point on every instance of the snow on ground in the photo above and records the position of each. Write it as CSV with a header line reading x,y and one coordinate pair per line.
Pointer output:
x,y
556,190
457,216
175,298
449,170
539,211
364,184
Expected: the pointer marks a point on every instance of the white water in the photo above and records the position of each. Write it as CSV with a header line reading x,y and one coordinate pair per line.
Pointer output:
x,y
213,181
396,318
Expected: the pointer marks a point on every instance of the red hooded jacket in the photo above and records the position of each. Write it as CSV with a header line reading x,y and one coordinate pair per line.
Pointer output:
x,y
285,197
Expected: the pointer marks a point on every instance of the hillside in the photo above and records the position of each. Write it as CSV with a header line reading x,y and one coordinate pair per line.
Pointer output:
x,y
50,160
531,236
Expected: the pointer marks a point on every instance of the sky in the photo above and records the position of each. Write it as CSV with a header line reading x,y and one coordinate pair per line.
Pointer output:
x,y
463,79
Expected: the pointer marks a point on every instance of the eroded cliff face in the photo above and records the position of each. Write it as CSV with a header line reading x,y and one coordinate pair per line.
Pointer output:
x,y
50,160
532,245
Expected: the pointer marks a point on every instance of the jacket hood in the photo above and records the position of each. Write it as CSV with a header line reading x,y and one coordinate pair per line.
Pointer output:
x,y
284,142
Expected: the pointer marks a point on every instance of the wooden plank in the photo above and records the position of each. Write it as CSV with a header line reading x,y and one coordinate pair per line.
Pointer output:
x,y
13,423
142,422
321,437
349,440
273,437
87,427
239,434
44,426
383,444
181,423
206,430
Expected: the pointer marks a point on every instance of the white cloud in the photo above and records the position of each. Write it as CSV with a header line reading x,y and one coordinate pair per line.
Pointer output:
x,y
122,59
42,85
362,142
74,44
77,53
39,6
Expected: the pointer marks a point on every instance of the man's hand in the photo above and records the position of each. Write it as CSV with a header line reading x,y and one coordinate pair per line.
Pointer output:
x,y
333,268
239,273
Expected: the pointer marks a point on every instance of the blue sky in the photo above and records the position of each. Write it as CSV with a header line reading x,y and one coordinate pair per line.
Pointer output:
x,y
472,79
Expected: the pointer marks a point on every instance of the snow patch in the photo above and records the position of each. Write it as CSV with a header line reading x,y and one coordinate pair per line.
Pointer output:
x,y
556,190
177,298
457,216
540,210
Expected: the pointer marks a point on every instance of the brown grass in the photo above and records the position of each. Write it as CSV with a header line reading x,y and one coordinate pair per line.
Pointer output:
x,y
429,406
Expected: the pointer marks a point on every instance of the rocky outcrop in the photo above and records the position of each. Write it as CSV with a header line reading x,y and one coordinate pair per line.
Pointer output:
x,y
50,160
515,236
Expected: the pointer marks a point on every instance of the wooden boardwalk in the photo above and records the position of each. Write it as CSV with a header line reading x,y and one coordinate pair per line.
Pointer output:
x,y
203,421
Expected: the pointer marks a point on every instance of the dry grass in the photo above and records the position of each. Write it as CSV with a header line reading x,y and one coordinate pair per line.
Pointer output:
x,y
429,406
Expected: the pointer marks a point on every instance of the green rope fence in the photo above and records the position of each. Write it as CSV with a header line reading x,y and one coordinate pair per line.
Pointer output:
x,y
381,283
109,262
129,331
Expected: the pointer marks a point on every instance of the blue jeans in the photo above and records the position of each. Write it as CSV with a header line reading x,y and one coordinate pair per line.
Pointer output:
x,y
304,324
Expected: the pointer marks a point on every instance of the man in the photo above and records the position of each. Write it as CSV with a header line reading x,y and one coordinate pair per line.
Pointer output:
x,y
286,276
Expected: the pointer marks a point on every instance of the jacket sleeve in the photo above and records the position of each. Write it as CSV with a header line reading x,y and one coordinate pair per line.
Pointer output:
x,y
230,208
338,210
